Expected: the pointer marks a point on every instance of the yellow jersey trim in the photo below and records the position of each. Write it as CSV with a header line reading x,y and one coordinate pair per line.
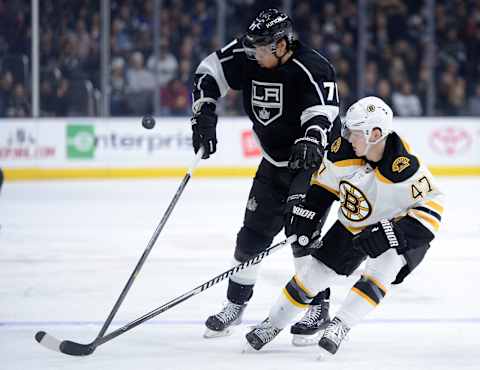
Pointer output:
x,y
349,162
381,177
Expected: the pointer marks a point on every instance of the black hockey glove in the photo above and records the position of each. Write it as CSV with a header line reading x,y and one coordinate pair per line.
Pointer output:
x,y
303,223
204,130
379,237
307,152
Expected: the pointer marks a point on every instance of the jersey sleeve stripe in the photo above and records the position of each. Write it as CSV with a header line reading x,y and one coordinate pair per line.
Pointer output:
x,y
434,205
212,66
318,183
430,212
329,111
425,219
319,92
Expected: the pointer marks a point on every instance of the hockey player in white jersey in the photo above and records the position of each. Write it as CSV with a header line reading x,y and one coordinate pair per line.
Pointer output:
x,y
390,210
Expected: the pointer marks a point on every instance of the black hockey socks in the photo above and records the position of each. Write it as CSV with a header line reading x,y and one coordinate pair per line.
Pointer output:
x,y
239,293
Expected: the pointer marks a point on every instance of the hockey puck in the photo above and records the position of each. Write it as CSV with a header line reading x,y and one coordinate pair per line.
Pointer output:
x,y
148,122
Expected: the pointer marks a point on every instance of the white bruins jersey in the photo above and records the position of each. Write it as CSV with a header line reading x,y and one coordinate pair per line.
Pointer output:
x,y
396,186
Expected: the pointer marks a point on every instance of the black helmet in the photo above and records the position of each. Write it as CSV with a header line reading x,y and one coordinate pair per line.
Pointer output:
x,y
269,27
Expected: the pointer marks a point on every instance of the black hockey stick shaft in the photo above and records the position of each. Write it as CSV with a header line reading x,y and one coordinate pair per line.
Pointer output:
x,y
151,243
199,289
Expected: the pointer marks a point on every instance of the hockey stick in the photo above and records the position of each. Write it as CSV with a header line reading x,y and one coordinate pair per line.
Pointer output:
x,y
40,336
77,349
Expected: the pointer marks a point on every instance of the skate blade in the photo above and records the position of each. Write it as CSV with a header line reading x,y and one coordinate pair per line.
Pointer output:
x,y
217,334
299,340
324,355
247,348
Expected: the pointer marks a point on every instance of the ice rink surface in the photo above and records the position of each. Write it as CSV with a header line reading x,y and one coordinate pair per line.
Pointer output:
x,y
68,248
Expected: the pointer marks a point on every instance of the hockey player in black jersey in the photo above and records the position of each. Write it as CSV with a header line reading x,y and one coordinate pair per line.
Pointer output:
x,y
290,95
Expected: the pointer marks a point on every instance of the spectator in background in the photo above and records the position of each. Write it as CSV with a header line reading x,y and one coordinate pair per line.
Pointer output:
x,y
474,102
176,98
6,82
405,102
118,106
121,42
384,92
166,67
18,106
140,85
83,40
62,105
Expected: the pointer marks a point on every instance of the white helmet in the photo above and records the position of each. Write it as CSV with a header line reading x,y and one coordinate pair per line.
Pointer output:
x,y
365,115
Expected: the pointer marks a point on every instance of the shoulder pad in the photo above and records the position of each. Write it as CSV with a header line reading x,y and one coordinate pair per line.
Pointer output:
x,y
398,163
340,150
315,62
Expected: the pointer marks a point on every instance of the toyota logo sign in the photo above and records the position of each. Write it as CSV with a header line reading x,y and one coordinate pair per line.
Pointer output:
x,y
451,141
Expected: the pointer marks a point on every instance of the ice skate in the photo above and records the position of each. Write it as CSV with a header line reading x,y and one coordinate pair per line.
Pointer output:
x,y
333,336
220,324
307,331
262,334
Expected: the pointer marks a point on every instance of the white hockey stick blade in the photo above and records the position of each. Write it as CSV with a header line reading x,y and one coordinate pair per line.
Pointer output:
x,y
48,341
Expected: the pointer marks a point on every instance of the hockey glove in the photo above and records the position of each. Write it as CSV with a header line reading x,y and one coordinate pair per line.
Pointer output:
x,y
307,152
379,237
303,223
204,130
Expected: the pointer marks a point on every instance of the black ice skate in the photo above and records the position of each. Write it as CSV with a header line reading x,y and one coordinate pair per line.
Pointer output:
x,y
307,330
334,334
262,334
220,324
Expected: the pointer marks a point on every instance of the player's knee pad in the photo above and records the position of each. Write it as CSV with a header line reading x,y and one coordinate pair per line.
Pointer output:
x,y
250,243
301,262
316,276
370,289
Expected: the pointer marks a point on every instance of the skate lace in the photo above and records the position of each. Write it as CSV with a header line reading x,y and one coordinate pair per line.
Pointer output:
x,y
336,331
266,332
313,314
229,313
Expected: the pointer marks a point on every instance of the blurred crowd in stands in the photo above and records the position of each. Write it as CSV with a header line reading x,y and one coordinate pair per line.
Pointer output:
x,y
396,67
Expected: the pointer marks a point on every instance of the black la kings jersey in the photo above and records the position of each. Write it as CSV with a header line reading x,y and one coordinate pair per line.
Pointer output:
x,y
283,102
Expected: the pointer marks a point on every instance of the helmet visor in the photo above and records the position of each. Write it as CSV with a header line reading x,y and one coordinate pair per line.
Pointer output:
x,y
257,46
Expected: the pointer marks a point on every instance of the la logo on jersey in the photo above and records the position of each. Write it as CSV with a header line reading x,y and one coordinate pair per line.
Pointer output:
x,y
267,101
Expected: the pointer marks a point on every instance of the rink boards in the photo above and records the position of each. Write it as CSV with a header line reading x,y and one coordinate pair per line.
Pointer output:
x,y
122,148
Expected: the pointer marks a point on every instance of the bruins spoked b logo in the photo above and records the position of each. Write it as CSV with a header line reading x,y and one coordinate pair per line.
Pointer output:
x,y
267,101
354,204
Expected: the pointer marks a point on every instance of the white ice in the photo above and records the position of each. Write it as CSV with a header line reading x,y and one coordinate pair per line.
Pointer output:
x,y
68,248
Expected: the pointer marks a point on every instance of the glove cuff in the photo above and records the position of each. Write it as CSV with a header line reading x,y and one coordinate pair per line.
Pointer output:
x,y
316,132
